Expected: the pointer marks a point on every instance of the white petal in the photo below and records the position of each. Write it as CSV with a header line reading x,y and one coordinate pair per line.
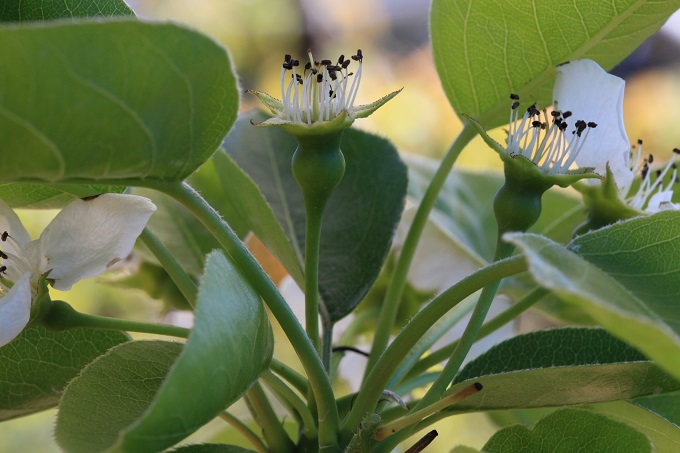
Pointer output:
x,y
660,201
88,236
15,309
10,222
591,94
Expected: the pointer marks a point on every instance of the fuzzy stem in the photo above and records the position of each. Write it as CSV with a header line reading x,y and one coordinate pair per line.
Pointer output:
x,y
272,429
239,426
285,393
62,316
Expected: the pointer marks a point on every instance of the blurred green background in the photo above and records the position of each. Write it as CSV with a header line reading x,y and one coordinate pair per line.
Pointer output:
x,y
394,37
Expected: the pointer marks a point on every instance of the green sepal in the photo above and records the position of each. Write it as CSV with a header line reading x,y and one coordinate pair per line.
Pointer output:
x,y
42,301
530,169
302,129
604,205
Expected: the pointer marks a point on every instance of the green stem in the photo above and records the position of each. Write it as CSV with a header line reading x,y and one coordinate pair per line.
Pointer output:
x,y
272,429
287,395
377,380
185,284
488,328
61,316
314,218
239,426
395,290
466,341
253,272
293,377
327,347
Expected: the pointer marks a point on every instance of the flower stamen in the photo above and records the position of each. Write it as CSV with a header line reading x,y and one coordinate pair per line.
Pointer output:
x,y
652,182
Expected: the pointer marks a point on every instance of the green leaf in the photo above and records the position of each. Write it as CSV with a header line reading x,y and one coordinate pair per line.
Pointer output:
x,y
112,392
665,436
360,218
37,10
666,406
211,448
570,430
559,367
36,366
464,449
230,345
145,101
138,408
625,276
35,196
484,49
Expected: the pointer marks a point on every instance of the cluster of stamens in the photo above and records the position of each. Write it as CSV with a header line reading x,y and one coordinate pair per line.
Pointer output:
x,y
13,264
542,137
652,181
321,91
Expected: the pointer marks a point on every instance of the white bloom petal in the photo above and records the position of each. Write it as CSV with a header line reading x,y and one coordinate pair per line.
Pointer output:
x,y
15,309
593,95
10,222
88,236
661,201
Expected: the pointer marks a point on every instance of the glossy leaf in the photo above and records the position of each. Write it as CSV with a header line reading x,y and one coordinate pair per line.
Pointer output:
x,y
665,436
484,50
666,406
360,218
230,345
40,10
36,366
625,276
559,367
150,396
156,107
570,430
112,392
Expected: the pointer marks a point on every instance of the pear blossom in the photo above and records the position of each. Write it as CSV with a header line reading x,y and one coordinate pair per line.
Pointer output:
x,y
85,238
318,97
655,191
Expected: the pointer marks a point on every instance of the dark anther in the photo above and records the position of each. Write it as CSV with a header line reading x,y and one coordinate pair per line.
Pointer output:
x,y
341,59
563,126
288,65
4,236
639,142
650,159
592,124
287,58
298,77
325,62
314,71
3,269
308,66
557,122
333,75
359,56
514,97
319,78
536,124
345,64
658,173
555,113
566,114
644,171
676,150
296,62
515,105
3,255
334,68
674,165
479,386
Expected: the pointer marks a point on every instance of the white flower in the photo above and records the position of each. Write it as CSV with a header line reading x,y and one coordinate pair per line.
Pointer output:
x,y
655,191
319,96
84,239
